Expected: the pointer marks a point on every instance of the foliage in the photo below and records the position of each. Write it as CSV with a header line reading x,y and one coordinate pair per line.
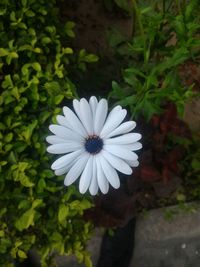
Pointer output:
x,y
166,36
191,168
35,209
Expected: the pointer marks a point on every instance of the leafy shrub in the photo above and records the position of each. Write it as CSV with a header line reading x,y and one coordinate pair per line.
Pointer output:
x,y
35,210
166,36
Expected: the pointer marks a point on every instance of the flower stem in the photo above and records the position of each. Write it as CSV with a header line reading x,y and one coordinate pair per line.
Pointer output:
x,y
141,28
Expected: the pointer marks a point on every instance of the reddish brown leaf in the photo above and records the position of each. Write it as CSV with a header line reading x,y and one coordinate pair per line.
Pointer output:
x,y
149,173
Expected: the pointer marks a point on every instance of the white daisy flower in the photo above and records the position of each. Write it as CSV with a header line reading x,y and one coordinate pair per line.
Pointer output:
x,y
96,144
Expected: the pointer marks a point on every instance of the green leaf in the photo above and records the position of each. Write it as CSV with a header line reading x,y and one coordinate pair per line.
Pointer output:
x,y
82,53
15,93
58,99
68,29
25,181
62,212
2,234
149,109
41,185
24,3
25,220
117,90
25,68
7,83
52,87
37,50
24,204
3,52
36,66
91,58
12,16
79,256
2,12
56,236
12,157
36,203
46,40
67,50
48,173
132,71
87,261
28,130
196,164
44,116
2,126
21,254
59,73
8,137
30,13
178,57
13,55
3,163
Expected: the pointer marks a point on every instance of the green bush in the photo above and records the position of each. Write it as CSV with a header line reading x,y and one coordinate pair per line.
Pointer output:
x,y
166,36
36,211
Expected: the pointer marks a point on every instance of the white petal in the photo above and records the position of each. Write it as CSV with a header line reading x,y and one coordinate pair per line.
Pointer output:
x,y
93,105
65,133
101,178
123,139
113,121
86,116
52,139
117,163
121,152
123,128
65,160
62,121
114,110
86,176
132,163
76,106
100,115
134,146
110,173
76,169
64,148
73,122
94,185
63,170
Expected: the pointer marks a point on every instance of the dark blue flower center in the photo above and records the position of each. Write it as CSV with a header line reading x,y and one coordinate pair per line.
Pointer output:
x,y
93,144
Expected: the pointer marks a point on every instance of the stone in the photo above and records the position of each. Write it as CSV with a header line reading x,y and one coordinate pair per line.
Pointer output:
x,y
162,242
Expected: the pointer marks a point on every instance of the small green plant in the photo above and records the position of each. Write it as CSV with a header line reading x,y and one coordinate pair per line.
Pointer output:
x,y
165,37
36,211
191,167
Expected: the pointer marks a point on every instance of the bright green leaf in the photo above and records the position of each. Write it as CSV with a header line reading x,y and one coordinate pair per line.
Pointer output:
x,y
25,220
63,211
21,254
3,52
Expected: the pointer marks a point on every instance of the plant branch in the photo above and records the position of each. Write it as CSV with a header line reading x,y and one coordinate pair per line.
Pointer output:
x,y
141,28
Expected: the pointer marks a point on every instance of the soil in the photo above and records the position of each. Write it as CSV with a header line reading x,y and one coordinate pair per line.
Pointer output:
x,y
94,22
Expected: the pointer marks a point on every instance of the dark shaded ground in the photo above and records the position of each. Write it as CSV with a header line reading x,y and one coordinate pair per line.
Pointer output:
x,y
116,250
